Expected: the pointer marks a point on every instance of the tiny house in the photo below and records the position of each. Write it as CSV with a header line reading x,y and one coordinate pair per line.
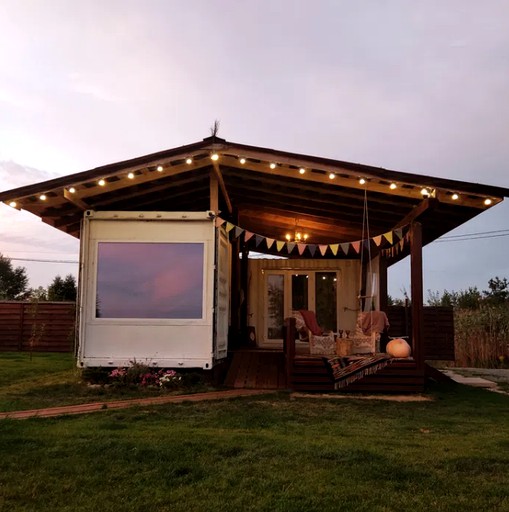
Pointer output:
x,y
166,275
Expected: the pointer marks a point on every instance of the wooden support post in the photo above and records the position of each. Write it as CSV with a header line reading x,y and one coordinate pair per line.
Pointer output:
x,y
416,294
289,348
214,193
235,293
244,292
382,294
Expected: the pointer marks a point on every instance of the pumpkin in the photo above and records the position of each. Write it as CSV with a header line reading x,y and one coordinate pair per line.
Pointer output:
x,y
398,348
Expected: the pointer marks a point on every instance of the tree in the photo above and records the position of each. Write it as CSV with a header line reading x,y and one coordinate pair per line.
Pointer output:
x,y
13,281
38,294
62,289
498,292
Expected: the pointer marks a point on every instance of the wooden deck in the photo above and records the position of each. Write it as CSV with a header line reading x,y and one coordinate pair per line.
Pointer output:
x,y
257,369
265,369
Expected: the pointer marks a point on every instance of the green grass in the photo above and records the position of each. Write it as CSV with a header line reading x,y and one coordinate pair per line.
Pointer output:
x,y
268,453
52,379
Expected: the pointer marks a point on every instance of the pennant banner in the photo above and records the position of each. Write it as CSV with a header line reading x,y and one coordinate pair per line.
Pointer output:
x,y
396,238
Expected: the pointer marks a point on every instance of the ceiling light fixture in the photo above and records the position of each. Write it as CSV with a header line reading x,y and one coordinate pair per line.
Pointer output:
x,y
424,192
487,201
13,204
272,165
72,190
455,197
131,175
42,197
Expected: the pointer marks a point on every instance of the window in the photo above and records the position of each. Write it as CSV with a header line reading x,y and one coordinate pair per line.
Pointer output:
x,y
150,280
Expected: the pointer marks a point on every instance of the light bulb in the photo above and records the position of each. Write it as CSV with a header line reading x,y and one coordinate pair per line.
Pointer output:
x,y
159,168
288,236
101,182
131,175
13,204
455,197
214,157
425,192
332,176
242,161
306,236
272,165
189,161
302,170
362,181
487,201
393,186
72,190
42,197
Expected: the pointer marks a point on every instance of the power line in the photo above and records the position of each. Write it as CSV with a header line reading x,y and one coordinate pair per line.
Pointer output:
x,y
474,234
44,261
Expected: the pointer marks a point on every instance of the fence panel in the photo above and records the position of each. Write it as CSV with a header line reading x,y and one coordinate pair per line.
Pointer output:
x,y
41,327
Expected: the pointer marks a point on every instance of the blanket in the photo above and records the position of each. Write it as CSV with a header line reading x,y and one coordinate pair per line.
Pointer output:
x,y
346,370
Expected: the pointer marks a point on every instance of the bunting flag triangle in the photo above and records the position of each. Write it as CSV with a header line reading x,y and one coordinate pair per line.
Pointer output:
x,y
323,249
259,239
229,227
280,245
238,231
377,240
270,242
248,235
290,246
398,232
334,248
356,246
345,248
219,222
312,249
301,248
388,236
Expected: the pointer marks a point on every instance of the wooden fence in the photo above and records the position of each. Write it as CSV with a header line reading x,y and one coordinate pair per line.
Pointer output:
x,y
41,327
438,328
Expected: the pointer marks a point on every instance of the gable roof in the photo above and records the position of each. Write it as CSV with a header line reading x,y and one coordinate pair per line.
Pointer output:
x,y
261,190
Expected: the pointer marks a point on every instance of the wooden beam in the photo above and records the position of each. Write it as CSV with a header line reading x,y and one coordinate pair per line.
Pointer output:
x,y
76,201
416,293
382,286
214,193
220,179
418,211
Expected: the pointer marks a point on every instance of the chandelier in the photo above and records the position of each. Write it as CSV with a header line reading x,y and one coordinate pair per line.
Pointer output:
x,y
298,235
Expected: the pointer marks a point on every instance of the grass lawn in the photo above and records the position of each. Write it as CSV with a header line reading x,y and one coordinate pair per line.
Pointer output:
x,y
269,453
52,379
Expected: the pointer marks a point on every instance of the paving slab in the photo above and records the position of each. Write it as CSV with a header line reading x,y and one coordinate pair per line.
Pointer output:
x,y
478,382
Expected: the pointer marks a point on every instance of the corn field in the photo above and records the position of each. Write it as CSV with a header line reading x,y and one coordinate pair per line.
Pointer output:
x,y
482,336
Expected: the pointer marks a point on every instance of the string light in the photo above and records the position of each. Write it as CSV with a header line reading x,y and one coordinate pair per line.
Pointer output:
x,y
393,186
72,190
189,161
242,161
362,181
302,170
272,165
42,197
159,168
455,197
332,176
101,182
214,157
13,204
487,201
131,175
424,192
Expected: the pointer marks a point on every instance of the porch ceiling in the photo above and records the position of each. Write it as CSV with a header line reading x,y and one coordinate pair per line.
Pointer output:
x,y
326,200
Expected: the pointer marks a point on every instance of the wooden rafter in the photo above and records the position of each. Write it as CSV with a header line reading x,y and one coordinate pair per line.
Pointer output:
x,y
222,186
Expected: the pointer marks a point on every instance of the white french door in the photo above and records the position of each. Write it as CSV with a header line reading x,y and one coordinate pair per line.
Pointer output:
x,y
291,290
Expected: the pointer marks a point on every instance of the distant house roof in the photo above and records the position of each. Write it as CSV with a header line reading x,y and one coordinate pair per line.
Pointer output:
x,y
265,191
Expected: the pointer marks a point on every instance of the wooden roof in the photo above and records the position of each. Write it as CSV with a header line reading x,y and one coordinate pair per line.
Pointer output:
x,y
261,190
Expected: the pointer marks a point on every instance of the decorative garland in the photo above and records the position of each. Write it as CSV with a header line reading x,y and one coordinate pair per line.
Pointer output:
x,y
394,242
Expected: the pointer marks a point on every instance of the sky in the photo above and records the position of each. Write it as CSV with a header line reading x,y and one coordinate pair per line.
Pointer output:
x,y
411,86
